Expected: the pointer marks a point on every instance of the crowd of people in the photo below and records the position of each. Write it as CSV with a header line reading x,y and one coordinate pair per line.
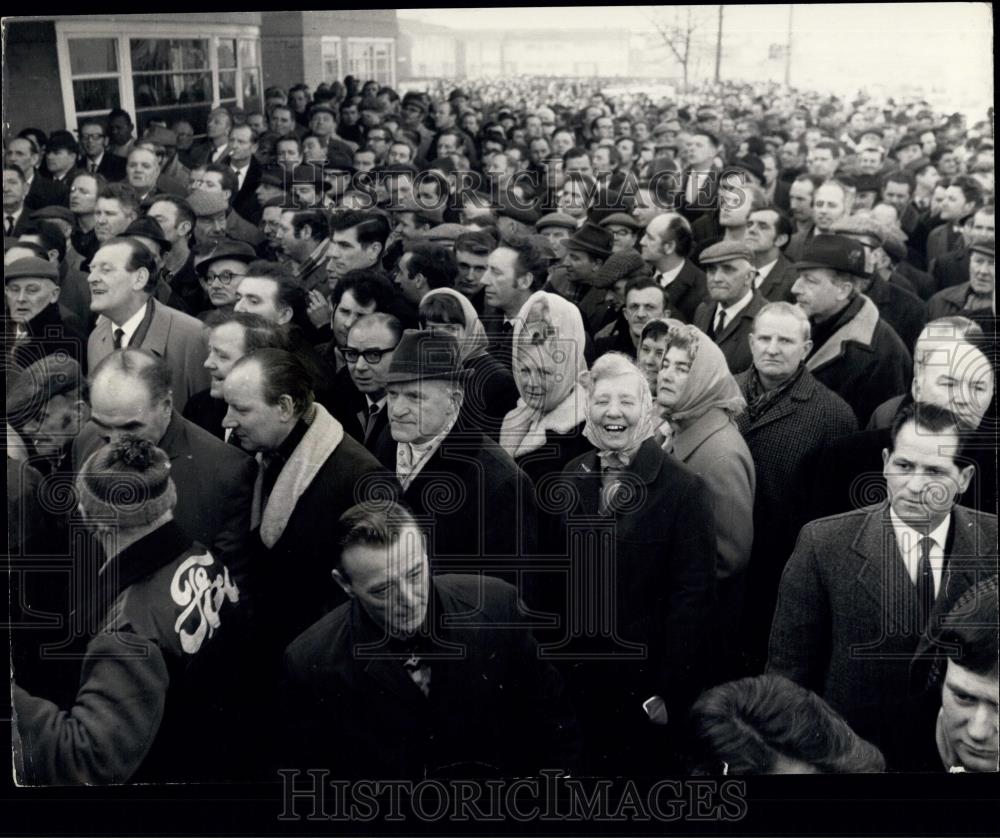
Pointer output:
x,y
504,427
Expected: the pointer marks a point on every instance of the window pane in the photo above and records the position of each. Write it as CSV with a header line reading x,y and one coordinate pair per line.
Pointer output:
x,y
251,91
227,85
149,54
96,95
227,53
93,55
153,91
248,54
197,115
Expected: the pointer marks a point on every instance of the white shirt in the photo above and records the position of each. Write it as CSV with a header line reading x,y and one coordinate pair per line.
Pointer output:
x,y
364,414
95,162
219,153
763,271
15,216
130,326
241,175
732,310
908,540
664,278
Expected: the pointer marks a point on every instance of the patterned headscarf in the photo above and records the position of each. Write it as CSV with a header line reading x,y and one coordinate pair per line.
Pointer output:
x,y
709,383
547,329
615,364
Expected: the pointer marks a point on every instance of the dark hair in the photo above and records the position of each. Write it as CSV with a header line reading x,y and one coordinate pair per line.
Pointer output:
x,y
315,219
51,235
184,211
530,259
641,283
114,113
782,226
441,308
436,263
63,141
377,523
288,138
229,180
92,120
258,331
282,374
971,190
574,152
899,176
123,193
678,230
747,726
703,132
141,365
367,286
970,635
815,180
830,145
655,329
936,420
372,227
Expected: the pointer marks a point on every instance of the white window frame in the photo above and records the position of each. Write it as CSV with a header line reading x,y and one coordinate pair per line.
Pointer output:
x,y
326,42
68,29
346,58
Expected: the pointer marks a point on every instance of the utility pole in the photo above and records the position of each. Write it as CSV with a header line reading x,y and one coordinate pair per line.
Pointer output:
x,y
718,46
788,47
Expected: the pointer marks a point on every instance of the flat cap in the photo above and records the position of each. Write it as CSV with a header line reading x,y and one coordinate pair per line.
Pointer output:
x,y
867,183
479,242
624,265
204,203
860,225
622,219
161,136
591,239
509,207
309,173
338,160
556,219
53,212
31,267
273,176
836,252
725,251
224,249
445,232
148,228
433,214
985,245
37,384
322,107
916,165
908,140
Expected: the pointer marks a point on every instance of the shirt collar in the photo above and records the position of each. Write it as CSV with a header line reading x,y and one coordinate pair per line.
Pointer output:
x,y
130,325
380,403
763,271
906,535
738,306
667,277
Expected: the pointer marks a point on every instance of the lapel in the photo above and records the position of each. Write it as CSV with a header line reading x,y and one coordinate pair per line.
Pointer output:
x,y
801,391
374,659
756,303
173,438
156,337
691,438
859,331
875,544
774,279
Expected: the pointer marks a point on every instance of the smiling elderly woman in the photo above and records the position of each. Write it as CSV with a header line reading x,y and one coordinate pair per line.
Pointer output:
x,y
658,559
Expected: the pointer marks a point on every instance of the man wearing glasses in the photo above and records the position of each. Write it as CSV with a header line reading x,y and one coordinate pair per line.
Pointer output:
x,y
94,140
378,140
361,394
221,270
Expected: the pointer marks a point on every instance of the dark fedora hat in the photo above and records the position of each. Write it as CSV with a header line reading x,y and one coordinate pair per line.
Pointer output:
x,y
591,239
148,228
422,355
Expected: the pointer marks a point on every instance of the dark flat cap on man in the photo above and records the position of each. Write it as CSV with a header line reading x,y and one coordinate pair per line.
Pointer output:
x,y
433,214
725,251
457,93
985,245
322,107
224,249
908,140
38,383
310,173
512,209
839,253
273,176
414,100
867,183
622,219
338,160
591,239
54,213
205,203
915,165
752,165
556,219
444,233
626,264
422,355
31,267
148,228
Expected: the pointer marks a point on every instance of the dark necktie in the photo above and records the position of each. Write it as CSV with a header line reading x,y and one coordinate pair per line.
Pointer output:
x,y
720,323
119,334
925,584
92,166
8,226
373,411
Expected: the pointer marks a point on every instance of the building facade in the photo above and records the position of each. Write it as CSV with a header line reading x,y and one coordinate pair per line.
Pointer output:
x,y
63,68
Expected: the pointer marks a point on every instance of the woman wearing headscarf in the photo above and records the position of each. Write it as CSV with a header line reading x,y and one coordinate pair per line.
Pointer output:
x,y
649,585
699,400
490,392
545,430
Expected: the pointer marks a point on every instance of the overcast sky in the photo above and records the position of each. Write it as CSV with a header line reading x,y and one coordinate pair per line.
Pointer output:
x,y
947,44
